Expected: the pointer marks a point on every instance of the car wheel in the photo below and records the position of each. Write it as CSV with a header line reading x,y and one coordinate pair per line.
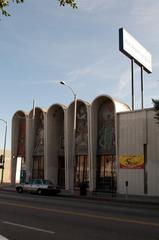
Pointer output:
x,y
39,191
19,189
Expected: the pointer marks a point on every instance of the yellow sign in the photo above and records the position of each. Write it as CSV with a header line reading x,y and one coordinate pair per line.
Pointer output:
x,y
132,161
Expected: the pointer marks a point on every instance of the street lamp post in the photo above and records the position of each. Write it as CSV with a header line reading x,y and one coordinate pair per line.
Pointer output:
x,y
74,130
4,149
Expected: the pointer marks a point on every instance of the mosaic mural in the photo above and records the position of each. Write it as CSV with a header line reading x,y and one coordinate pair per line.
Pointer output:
x,y
106,129
39,134
81,130
21,138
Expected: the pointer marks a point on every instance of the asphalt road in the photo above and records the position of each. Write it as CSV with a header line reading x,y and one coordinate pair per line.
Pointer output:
x,y
27,216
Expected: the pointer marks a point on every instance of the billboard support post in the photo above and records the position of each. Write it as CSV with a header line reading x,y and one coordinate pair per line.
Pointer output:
x,y
132,82
142,91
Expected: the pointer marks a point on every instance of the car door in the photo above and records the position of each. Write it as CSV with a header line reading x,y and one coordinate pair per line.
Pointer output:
x,y
28,186
36,185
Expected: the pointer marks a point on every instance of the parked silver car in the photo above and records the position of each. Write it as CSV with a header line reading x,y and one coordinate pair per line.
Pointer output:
x,y
39,186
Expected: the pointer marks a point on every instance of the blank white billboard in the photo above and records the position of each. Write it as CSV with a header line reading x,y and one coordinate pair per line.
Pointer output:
x,y
133,49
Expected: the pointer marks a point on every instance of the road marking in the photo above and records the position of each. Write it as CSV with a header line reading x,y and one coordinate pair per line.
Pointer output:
x,y
28,227
80,214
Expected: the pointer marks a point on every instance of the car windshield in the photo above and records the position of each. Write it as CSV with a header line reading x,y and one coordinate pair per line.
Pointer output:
x,y
40,181
37,181
31,181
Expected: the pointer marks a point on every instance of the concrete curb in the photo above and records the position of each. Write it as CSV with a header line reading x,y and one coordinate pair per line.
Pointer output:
x,y
115,200
129,199
7,189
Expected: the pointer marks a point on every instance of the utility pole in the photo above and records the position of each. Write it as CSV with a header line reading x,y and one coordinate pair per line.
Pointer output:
x,y
4,149
74,133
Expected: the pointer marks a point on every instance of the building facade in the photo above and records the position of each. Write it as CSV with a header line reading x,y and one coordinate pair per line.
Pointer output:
x,y
138,152
5,168
108,139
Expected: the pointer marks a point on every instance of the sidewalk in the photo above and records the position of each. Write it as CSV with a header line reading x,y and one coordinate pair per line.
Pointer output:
x,y
7,187
99,196
114,197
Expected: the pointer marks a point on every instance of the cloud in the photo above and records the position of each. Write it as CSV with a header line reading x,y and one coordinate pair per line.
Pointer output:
x,y
123,88
96,70
146,12
95,5
40,82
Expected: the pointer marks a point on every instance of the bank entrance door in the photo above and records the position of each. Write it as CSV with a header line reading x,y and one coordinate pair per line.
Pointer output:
x,y
81,170
38,167
106,176
61,171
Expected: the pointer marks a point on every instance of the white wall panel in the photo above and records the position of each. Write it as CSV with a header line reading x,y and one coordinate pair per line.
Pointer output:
x,y
153,154
130,142
134,130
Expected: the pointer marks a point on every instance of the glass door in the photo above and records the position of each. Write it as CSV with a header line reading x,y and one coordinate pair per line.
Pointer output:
x,y
61,171
81,170
38,167
106,176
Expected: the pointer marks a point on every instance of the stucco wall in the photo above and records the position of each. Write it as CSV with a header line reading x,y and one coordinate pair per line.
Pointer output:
x,y
138,134
152,154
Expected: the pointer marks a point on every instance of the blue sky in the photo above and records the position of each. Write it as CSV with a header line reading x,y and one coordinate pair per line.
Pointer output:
x,y
42,44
